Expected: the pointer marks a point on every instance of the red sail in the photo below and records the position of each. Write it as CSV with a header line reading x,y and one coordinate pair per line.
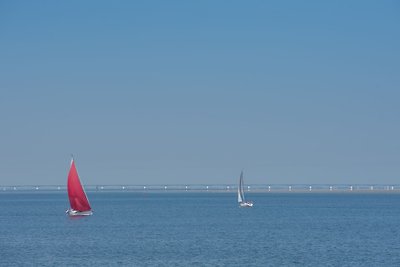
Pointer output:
x,y
76,194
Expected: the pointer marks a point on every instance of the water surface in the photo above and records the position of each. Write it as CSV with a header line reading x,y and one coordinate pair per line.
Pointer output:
x,y
201,229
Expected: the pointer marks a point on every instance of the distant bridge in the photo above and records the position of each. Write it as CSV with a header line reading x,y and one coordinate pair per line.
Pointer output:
x,y
257,188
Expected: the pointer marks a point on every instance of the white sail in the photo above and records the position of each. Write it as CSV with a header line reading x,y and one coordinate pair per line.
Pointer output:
x,y
240,189
239,195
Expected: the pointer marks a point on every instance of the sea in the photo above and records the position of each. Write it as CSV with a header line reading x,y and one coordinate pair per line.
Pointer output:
x,y
201,229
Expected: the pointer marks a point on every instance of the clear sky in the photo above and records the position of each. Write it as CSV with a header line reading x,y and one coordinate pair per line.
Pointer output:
x,y
164,92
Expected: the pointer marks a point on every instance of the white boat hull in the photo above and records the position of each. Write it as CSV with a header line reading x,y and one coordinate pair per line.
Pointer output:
x,y
72,212
246,204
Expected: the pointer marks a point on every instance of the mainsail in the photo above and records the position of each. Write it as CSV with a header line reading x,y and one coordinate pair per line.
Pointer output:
x,y
240,189
76,193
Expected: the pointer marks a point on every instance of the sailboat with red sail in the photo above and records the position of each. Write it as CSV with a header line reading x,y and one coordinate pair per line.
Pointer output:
x,y
78,200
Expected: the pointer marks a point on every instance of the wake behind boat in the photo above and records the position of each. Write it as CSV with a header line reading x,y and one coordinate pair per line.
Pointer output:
x,y
242,202
77,197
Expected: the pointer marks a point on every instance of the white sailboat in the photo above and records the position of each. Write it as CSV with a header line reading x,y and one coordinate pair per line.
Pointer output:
x,y
242,202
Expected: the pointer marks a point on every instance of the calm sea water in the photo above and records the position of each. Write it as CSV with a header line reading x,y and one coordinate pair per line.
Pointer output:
x,y
201,229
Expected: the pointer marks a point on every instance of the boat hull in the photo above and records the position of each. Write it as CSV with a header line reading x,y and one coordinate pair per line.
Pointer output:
x,y
246,204
72,212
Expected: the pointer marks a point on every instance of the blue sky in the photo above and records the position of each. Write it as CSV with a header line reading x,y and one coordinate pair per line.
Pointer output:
x,y
164,92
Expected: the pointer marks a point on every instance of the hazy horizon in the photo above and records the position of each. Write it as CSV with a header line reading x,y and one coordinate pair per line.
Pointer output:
x,y
193,92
